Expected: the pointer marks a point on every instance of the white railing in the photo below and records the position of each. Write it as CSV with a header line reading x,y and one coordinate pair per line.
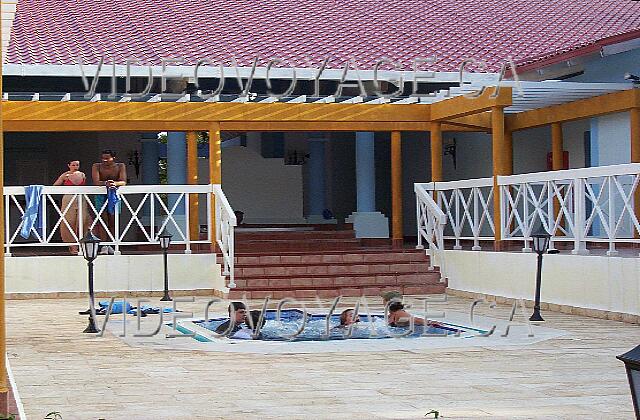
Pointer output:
x,y
468,206
225,224
143,213
431,221
578,205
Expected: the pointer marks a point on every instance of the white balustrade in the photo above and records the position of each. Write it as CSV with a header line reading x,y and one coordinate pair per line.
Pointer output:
x,y
431,221
225,223
468,206
582,206
143,213
578,205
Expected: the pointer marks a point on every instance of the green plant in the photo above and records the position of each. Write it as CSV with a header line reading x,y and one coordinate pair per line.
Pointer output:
x,y
8,417
54,415
436,414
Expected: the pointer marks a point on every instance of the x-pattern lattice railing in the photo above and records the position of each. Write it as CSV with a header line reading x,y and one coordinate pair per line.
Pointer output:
x,y
143,213
468,206
580,205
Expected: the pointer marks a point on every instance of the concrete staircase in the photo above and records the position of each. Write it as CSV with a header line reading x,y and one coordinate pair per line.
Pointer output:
x,y
326,263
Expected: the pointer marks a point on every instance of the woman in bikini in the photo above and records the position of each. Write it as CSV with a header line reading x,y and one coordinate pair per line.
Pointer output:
x,y
73,178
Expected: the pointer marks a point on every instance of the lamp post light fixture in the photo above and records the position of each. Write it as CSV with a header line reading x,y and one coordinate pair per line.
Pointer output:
x,y
89,246
165,241
631,361
540,246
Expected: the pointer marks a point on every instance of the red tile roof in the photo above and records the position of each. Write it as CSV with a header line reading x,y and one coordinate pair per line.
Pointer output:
x,y
306,31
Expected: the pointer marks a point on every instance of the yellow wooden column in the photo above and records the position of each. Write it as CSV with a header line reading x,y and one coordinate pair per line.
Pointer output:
x,y
500,151
436,151
396,190
557,147
508,153
192,179
3,320
634,117
215,172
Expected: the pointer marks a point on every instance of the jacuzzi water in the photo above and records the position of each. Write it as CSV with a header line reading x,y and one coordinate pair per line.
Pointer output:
x,y
316,328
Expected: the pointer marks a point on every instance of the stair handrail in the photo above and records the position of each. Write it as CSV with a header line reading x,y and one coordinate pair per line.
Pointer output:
x,y
225,223
430,222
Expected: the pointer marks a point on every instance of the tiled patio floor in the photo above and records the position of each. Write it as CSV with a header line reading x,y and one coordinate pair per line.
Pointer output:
x,y
57,368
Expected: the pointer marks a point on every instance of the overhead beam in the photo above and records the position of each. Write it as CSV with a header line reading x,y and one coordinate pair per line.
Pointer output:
x,y
461,106
65,116
90,126
475,122
584,108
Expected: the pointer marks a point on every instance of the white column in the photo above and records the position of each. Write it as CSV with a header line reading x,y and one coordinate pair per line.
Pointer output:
x,y
367,222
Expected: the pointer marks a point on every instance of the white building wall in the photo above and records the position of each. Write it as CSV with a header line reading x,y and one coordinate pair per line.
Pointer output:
x,y
610,133
573,138
266,190
611,139
473,156
530,149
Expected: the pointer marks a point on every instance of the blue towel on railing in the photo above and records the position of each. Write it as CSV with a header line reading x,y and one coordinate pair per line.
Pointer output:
x,y
112,200
33,195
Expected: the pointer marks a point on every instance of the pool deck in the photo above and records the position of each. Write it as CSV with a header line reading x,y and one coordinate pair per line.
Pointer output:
x,y
57,368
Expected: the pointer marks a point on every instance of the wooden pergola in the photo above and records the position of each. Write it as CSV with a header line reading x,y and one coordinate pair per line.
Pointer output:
x,y
483,113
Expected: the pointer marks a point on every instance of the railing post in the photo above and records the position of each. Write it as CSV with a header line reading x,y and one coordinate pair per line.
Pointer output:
x,y
210,221
551,214
526,230
579,231
116,226
231,239
43,201
418,219
457,228
80,202
476,220
7,233
612,219
187,216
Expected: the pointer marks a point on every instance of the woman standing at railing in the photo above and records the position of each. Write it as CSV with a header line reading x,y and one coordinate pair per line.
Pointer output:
x,y
73,178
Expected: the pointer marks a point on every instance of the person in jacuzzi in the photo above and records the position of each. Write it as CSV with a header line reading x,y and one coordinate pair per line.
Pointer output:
x,y
238,311
346,318
251,323
398,317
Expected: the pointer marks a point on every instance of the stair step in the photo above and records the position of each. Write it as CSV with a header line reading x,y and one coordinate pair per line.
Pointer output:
x,y
311,293
319,226
357,257
285,245
387,279
344,269
242,237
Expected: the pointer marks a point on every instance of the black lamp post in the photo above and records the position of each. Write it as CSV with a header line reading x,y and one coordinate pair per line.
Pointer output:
x,y
631,361
90,245
540,246
165,241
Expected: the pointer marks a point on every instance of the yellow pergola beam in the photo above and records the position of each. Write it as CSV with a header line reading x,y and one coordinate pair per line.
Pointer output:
x,y
99,116
336,126
474,122
584,108
461,106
